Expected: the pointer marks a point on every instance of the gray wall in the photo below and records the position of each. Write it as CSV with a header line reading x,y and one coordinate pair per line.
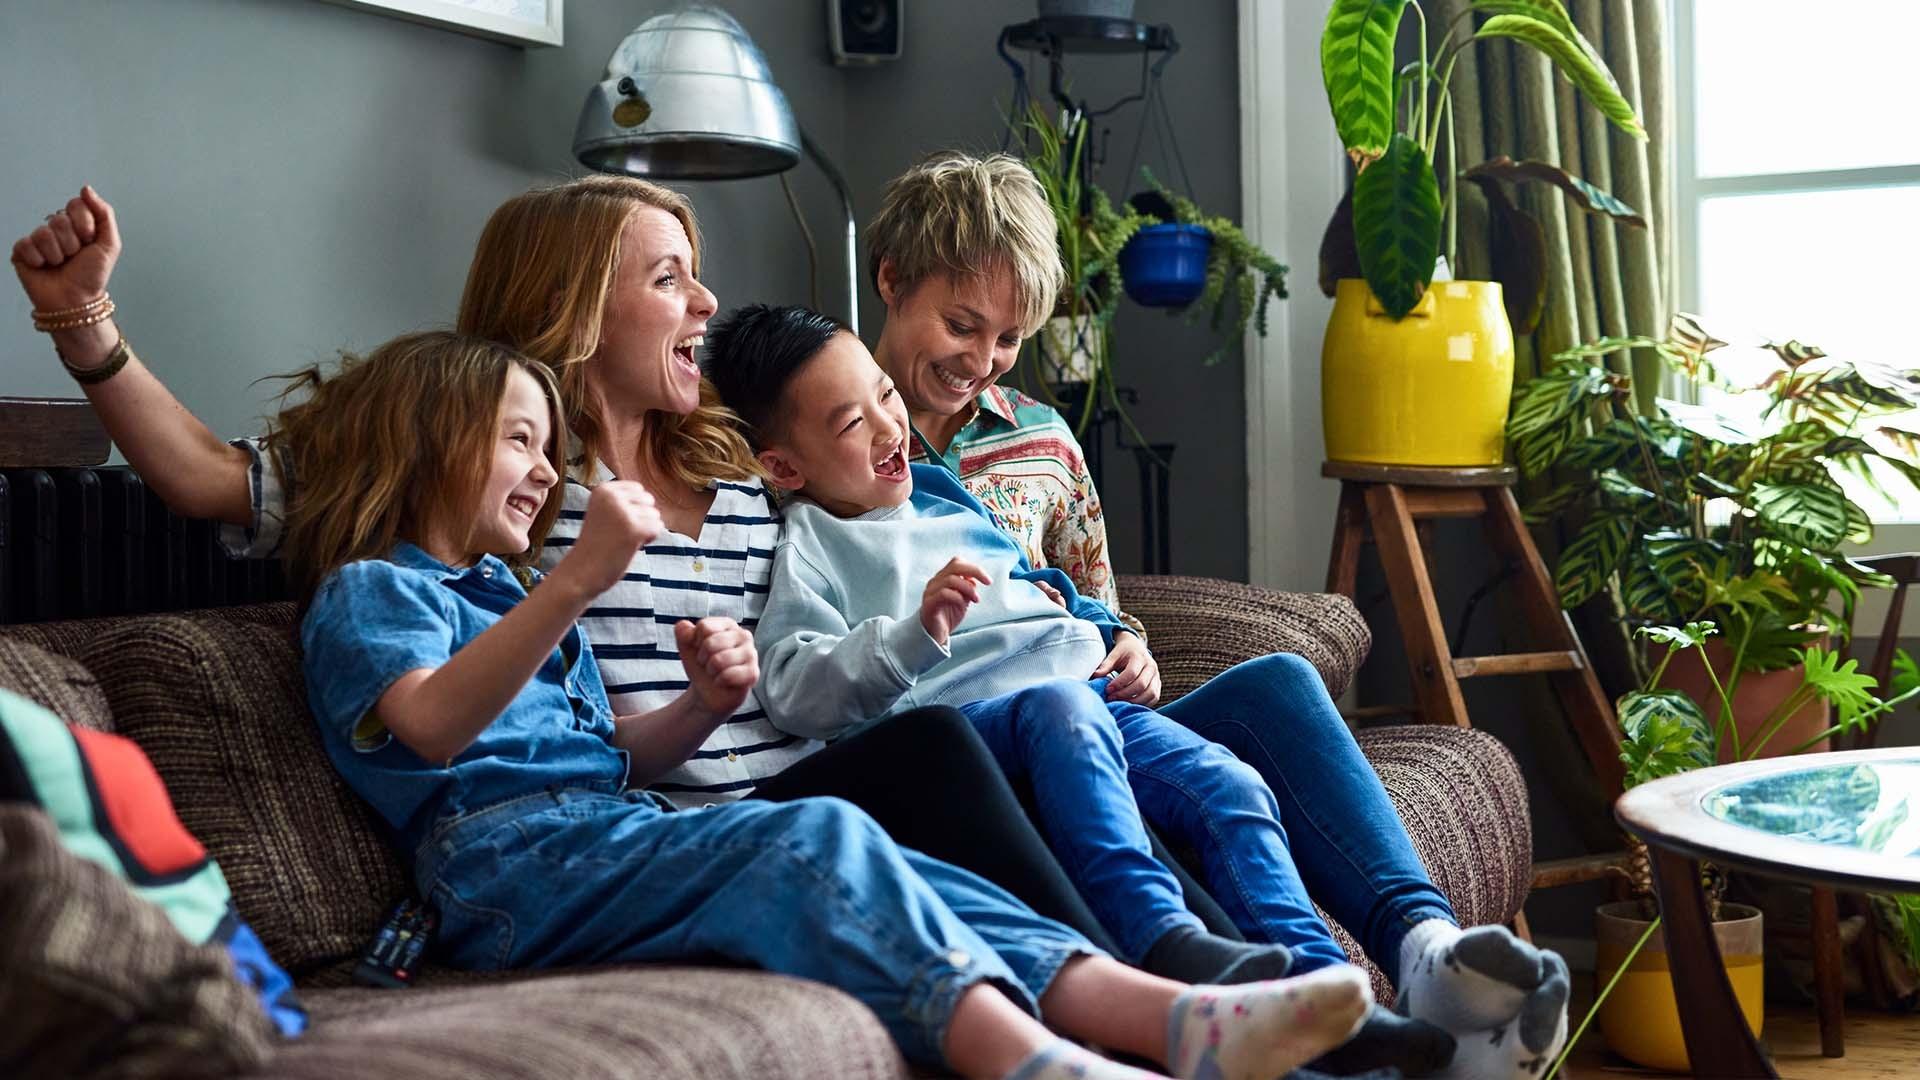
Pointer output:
x,y
296,177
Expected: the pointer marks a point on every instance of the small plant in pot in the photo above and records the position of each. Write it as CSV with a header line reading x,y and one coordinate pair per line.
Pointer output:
x,y
1665,732
1187,255
1441,358
1102,263
1076,345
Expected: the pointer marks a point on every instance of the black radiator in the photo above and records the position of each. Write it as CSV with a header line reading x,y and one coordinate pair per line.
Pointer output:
x,y
76,543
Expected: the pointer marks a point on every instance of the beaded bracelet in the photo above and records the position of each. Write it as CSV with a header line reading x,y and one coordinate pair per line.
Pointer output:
x,y
48,322
117,359
97,302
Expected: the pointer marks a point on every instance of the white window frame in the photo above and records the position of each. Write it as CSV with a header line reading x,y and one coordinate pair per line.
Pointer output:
x,y
1691,189
1292,174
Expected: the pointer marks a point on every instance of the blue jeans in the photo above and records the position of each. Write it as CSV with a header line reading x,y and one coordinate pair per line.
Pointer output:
x,y
1324,829
811,888
1060,737
1349,848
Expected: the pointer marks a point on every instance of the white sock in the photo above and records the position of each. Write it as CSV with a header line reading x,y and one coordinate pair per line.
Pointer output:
x,y
1504,1000
1523,1048
1257,1031
1062,1060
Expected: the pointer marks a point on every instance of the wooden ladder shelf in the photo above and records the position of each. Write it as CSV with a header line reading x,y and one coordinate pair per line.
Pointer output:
x,y
1392,505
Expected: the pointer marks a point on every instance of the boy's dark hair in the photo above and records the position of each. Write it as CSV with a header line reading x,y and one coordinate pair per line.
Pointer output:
x,y
754,351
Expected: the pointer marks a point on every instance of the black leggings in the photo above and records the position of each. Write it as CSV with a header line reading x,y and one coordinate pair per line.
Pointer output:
x,y
929,780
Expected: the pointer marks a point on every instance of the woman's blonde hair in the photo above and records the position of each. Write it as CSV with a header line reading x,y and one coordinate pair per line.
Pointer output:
x,y
968,217
396,442
539,283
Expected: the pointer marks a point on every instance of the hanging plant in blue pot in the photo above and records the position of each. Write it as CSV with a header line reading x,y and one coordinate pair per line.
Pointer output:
x,y
1166,265
1185,256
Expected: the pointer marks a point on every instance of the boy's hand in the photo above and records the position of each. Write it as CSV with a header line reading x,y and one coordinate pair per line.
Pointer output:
x,y
949,594
721,662
67,260
1053,594
621,519
1136,675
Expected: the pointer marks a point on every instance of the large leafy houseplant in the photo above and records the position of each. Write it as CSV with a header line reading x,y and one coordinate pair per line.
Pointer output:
x,y
1732,510
1726,517
1389,228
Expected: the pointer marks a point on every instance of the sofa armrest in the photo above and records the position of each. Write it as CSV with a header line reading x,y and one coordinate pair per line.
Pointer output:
x,y
1199,627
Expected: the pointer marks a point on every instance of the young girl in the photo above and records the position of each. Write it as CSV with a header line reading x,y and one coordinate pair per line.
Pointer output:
x,y
469,712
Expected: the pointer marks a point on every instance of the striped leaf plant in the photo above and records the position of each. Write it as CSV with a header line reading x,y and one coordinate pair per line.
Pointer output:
x,y
1732,510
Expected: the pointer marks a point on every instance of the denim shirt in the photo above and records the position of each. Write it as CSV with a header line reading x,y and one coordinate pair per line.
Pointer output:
x,y
375,620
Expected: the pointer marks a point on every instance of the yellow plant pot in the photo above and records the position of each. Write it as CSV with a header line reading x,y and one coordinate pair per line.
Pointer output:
x,y
1430,389
1641,1019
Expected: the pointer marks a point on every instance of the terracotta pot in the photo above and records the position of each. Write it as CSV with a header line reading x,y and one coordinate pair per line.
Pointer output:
x,y
1753,700
1640,1018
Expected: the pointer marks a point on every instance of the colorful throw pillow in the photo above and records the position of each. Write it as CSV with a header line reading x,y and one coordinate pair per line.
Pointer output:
x,y
112,809
97,982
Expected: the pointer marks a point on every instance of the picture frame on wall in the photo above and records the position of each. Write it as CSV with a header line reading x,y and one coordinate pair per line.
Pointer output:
x,y
516,22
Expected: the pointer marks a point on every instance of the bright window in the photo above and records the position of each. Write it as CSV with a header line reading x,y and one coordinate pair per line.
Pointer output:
x,y
1799,177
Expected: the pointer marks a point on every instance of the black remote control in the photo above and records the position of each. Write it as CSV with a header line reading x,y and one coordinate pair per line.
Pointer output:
x,y
392,958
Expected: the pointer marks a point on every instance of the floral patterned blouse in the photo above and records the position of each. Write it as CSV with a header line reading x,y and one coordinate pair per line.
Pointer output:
x,y
1020,459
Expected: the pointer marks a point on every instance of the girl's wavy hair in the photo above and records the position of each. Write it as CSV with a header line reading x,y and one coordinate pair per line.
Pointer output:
x,y
395,441
539,282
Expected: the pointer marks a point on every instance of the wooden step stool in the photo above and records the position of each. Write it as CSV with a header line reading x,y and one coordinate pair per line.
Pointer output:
x,y
1393,503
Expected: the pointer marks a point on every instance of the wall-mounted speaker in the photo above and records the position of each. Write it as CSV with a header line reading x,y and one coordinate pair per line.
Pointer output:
x,y
865,31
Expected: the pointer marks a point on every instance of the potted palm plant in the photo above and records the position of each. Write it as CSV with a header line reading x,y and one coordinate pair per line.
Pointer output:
x,y
1437,361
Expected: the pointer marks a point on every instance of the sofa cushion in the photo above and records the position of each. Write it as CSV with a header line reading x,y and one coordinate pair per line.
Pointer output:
x,y
98,982
658,1023
1199,627
218,704
1461,796
59,684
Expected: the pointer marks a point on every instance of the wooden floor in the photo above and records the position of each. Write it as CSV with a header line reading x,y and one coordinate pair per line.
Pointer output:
x,y
1880,1046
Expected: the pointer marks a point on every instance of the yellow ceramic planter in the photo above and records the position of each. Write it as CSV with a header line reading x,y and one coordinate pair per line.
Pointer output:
x,y
1641,1019
1429,389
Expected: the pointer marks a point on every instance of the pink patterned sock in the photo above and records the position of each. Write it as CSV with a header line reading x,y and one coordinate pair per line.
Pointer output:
x,y
1257,1031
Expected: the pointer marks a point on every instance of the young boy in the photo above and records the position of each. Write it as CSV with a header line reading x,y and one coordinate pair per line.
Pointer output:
x,y
892,588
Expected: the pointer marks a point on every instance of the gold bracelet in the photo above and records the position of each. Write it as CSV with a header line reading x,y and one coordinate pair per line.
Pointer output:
x,y
84,309
74,322
117,359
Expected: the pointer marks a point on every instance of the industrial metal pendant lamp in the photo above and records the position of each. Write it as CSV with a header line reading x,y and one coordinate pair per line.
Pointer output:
x,y
688,96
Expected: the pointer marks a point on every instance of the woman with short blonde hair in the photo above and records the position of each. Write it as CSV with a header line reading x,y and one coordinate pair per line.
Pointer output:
x,y
965,256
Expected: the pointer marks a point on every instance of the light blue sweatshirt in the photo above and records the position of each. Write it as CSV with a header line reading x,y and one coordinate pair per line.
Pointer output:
x,y
841,642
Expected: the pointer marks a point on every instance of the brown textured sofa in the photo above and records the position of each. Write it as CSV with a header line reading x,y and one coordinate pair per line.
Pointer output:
x,y
215,699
